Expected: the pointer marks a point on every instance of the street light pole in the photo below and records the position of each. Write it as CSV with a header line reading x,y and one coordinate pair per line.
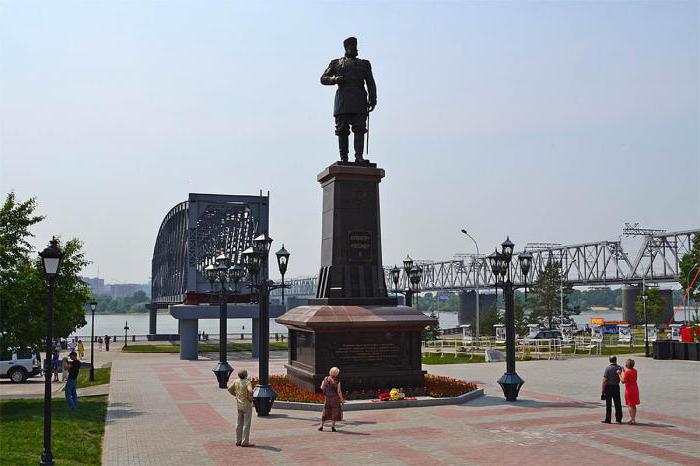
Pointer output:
x,y
646,329
476,272
93,306
510,381
51,260
222,272
255,258
126,329
690,295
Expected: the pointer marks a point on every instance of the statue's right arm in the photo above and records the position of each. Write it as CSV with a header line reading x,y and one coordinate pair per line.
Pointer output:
x,y
328,78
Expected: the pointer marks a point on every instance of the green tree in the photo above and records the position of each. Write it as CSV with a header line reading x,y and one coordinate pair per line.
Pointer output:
x,y
688,268
23,288
431,332
547,294
655,306
487,319
520,318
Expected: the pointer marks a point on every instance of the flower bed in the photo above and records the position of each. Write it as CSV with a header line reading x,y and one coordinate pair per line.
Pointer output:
x,y
435,386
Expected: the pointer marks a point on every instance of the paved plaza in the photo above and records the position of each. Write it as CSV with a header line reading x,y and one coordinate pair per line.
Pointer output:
x,y
166,411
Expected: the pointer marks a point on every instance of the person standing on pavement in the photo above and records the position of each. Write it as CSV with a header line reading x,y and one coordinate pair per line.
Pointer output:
x,y
106,342
81,348
72,382
54,365
629,378
611,391
333,405
242,390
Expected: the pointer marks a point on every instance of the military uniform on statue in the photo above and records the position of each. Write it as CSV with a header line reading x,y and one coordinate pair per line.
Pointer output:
x,y
352,105
352,323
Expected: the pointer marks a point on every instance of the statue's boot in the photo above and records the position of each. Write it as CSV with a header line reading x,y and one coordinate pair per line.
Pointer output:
x,y
359,144
343,145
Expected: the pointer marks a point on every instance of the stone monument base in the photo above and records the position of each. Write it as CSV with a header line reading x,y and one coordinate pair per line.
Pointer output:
x,y
374,346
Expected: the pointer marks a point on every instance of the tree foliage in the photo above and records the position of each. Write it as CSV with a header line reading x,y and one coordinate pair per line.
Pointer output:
x,y
655,306
23,286
547,294
431,332
134,303
689,267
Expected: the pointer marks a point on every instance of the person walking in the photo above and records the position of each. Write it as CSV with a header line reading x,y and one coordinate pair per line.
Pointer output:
x,y
72,382
106,342
81,349
54,365
65,366
242,390
611,391
629,378
332,407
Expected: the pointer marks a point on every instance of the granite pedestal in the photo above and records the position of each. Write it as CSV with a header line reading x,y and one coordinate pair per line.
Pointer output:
x,y
353,324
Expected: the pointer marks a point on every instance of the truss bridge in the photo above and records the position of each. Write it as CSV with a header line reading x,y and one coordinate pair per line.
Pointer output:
x,y
600,263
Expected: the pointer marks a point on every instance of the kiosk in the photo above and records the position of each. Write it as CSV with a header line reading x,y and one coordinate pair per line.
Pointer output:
x,y
467,333
651,332
500,333
624,333
567,333
676,332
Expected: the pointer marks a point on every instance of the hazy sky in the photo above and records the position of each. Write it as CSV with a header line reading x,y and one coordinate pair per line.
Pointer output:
x,y
546,121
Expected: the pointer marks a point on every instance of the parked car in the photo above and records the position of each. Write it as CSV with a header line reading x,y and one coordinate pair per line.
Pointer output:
x,y
19,363
546,335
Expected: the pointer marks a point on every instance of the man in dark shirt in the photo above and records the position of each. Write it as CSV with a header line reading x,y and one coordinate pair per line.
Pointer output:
x,y
72,382
611,391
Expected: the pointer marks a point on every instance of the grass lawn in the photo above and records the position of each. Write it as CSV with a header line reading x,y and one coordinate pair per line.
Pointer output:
x,y
433,358
610,350
76,435
102,376
203,347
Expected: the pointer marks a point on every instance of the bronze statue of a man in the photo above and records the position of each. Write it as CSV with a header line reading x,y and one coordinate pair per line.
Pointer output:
x,y
352,104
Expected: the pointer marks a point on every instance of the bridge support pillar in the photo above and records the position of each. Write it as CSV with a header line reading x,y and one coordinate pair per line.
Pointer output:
x,y
152,319
189,341
256,336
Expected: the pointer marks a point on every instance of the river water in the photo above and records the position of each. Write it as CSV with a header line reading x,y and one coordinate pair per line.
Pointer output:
x,y
113,324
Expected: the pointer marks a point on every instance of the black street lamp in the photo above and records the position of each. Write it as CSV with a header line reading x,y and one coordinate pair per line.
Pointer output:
x,y
51,261
525,259
126,329
414,275
222,272
510,381
282,259
646,327
255,259
93,307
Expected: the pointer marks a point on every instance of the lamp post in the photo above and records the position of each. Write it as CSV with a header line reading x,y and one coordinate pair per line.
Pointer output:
x,y
51,261
690,294
93,307
126,329
414,275
476,280
510,381
221,272
282,259
254,260
525,260
646,329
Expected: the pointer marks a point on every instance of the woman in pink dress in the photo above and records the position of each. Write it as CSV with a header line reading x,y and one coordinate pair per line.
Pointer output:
x,y
333,407
629,378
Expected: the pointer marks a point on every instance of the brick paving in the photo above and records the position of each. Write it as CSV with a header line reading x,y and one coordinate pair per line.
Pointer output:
x,y
166,411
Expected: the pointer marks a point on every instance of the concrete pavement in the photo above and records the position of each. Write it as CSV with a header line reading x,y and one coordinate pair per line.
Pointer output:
x,y
166,411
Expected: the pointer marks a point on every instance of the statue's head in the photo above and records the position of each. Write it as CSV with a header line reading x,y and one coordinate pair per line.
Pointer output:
x,y
350,45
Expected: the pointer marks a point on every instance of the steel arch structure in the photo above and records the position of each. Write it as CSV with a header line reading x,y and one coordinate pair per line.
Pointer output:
x,y
588,264
193,233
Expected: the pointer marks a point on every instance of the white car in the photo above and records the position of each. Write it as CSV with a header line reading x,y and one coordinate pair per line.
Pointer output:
x,y
19,364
